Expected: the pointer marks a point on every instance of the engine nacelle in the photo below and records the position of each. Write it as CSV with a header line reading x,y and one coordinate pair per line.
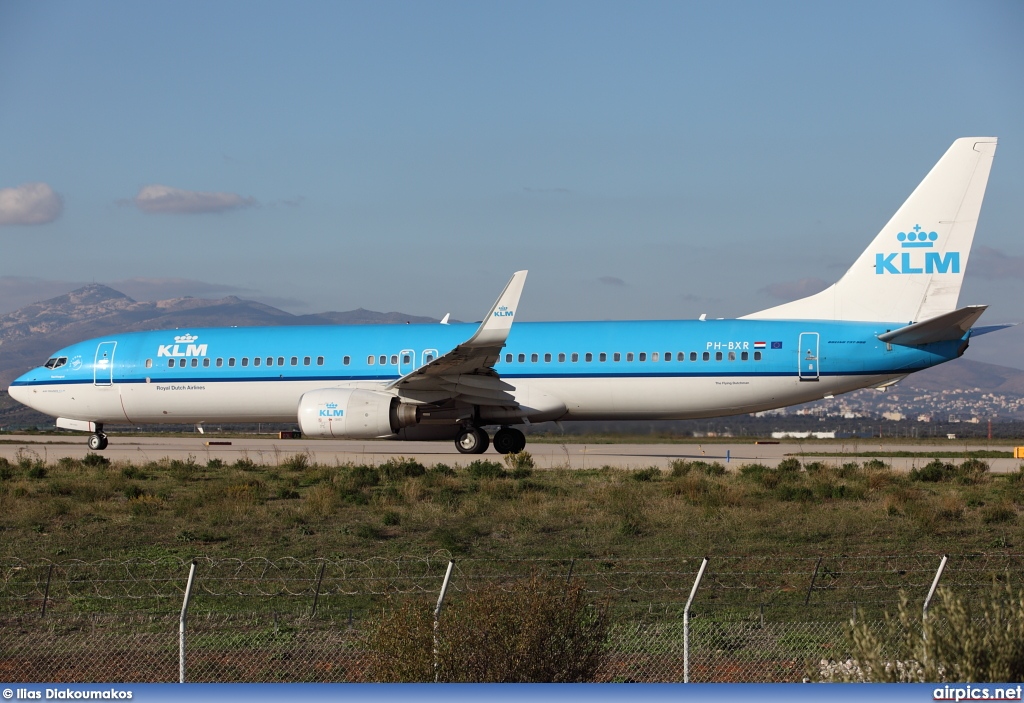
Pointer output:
x,y
344,413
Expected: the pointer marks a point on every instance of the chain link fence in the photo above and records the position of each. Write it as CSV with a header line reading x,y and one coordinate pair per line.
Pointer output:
x,y
258,620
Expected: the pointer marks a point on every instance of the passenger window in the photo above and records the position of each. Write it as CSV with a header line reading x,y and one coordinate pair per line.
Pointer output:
x,y
757,356
195,362
508,358
206,362
231,361
732,356
270,361
643,356
589,357
256,361
575,357
220,361
170,363
522,358
561,357
744,356
181,364
346,360
245,361
693,356
681,356
295,361
668,356
654,356
305,361
394,359
616,356
629,356
718,356
369,360
319,361
383,359
149,363
534,358
280,361
547,358
706,356
602,357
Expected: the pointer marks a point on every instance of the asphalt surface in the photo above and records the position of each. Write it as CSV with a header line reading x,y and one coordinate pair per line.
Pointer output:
x,y
271,451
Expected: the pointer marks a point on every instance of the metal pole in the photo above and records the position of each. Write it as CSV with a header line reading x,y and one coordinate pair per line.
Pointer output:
x,y
46,594
181,624
813,577
931,591
686,622
316,594
437,615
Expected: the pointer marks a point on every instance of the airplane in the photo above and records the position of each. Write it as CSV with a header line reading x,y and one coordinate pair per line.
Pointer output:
x,y
892,313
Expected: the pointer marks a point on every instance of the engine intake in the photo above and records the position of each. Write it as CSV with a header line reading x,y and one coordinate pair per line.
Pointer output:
x,y
343,413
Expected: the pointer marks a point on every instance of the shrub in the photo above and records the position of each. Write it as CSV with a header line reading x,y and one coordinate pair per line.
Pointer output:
x,y
398,468
648,474
441,470
481,468
6,473
94,460
709,469
359,477
1000,512
961,640
244,463
753,471
932,472
37,471
297,462
184,470
215,463
519,464
133,472
788,466
535,630
680,467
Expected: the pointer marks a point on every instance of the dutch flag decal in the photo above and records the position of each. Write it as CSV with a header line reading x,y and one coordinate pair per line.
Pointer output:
x,y
759,345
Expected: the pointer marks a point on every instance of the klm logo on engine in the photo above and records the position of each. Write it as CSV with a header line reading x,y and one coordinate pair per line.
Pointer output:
x,y
917,261
503,311
331,410
183,346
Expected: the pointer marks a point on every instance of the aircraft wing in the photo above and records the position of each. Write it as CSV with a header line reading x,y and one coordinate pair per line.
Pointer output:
x,y
467,371
941,328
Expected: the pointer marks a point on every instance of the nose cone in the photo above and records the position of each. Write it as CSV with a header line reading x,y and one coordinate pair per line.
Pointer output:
x,y
21,389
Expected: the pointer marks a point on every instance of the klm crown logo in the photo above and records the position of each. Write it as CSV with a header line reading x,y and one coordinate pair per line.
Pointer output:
x,y
503,311
330,405
185,339
928,262
331,410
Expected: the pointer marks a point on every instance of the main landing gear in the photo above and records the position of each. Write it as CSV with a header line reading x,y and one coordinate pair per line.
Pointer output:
x,y
474,440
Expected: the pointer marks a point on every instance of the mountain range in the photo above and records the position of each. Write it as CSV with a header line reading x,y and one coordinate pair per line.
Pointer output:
x,y
29,335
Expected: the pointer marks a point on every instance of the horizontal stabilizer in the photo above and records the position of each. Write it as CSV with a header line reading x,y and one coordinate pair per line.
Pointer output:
x,y
942,328
978,331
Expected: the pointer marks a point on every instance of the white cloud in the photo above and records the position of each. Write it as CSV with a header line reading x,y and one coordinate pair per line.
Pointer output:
x,y
29,204
158,199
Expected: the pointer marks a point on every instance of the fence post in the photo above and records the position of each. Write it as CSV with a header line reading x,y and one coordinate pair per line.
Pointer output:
x,y
181,623
931,591
814,576
46,593
437,615
316,594
686,622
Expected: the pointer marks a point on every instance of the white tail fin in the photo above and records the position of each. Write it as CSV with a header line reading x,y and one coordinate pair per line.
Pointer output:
x,y
914,268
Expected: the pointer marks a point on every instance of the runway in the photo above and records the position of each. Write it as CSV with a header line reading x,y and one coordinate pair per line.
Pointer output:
x,y
272,451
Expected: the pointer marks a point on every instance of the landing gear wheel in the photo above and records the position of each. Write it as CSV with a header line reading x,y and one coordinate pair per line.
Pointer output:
x,y
97,442
472,440
509,440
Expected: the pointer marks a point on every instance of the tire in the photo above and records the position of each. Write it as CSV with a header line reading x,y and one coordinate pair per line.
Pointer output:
x,y
97,442
520,441
505,440
472,440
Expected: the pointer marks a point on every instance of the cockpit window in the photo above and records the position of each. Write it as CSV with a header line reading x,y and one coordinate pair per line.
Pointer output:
x,y
56,362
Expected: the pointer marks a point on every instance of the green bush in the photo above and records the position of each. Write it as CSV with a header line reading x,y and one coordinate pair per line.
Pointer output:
x,y
538,630
933,472
398,468
788,466
962,640
481,468
680,467
244,463
519,464
648,474
94,460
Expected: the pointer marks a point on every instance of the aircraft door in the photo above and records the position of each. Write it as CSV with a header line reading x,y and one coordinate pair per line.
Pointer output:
x,y
808,351
406,361
103,365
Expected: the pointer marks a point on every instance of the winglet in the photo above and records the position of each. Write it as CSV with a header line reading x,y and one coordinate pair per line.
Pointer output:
x,y
495,327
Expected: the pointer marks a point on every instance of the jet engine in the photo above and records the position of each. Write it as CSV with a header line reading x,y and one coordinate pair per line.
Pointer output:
x,y
344,413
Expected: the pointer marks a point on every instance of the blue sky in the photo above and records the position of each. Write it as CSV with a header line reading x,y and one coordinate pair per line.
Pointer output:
x,y
642,160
